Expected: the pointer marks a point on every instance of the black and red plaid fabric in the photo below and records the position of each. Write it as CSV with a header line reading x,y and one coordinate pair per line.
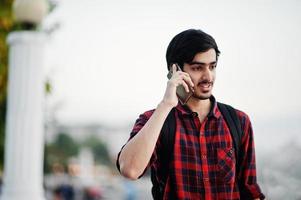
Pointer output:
x,y
204,162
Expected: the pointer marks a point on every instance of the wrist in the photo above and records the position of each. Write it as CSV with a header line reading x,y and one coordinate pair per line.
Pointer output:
x,y
165,105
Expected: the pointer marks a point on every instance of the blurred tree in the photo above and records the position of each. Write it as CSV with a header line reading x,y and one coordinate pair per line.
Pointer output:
x,y
6,26
99,148
63,148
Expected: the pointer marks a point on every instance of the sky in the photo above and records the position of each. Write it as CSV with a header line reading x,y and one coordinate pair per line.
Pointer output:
x,y
107,64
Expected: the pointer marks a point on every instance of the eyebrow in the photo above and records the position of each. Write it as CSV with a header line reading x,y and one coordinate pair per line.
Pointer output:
x,y
201,63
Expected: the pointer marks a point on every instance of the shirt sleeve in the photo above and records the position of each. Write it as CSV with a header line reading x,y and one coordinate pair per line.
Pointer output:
x,y
140,122
249,188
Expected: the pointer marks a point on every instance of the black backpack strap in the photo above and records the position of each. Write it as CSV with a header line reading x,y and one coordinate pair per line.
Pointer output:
x,y
233,122
168,137
167,143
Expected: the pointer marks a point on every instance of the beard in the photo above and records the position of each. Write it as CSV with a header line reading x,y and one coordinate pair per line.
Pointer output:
x,y
201,96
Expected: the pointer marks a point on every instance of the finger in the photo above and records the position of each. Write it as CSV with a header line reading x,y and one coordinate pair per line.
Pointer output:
x,y
184,74
188,80
174,68
185,86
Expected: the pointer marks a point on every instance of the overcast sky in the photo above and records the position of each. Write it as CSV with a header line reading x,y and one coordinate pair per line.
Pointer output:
x,y
107,60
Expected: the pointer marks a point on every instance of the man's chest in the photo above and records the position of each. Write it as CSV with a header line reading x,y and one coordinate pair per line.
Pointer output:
x,y
209,133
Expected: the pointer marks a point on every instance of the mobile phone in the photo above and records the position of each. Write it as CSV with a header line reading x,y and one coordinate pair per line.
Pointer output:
x,y
181,92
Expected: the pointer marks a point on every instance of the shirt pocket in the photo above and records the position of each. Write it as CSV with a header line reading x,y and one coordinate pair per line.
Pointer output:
x,y
226,165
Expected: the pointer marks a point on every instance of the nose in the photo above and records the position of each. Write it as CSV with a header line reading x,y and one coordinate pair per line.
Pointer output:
x,y
206,75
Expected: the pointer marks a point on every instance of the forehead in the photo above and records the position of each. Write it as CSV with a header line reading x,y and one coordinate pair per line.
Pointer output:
x,y
205,57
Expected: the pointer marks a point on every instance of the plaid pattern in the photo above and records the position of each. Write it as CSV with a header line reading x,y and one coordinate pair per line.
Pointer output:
x,y
203,164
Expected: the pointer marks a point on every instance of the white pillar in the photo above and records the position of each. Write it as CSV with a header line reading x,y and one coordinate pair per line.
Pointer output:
x,y
23,168
86,162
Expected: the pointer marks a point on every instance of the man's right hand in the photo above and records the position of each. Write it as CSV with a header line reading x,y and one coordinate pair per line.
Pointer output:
x,y
137,153
178,78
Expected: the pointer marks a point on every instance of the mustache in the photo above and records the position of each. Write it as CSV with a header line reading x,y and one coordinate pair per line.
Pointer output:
x,y
205,82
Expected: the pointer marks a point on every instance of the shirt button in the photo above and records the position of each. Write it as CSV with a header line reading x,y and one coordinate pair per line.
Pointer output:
x,y
204,156
206,179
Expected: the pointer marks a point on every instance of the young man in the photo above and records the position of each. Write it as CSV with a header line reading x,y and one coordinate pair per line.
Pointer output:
x,y
203,162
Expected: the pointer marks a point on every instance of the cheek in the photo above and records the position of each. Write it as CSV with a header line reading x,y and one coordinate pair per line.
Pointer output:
x,y
194,78
213,76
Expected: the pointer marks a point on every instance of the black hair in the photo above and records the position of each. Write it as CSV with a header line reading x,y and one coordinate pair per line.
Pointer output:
x,y
185,45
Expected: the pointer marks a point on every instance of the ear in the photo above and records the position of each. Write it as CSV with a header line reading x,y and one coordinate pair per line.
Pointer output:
x,y
170,67
185,65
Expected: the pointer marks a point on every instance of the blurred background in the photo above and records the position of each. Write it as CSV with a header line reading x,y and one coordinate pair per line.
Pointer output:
x,y
105,64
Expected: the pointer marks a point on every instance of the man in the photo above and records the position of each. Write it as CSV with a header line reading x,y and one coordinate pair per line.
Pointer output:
x,y
203,163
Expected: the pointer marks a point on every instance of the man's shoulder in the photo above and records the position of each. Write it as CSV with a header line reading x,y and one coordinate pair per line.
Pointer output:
x,y
147,114
141,121
242,116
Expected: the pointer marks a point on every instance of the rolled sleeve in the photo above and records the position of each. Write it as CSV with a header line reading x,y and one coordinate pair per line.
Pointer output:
x,y
249,188
140,122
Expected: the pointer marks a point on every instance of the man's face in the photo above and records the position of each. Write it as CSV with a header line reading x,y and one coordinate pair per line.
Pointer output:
x,y
202,73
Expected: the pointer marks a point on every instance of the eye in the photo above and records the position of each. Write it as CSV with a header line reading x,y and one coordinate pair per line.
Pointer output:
x,y
196,68
212,67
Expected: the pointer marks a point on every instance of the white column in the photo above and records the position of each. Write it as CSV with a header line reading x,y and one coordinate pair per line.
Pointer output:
x,y
23,168
86,162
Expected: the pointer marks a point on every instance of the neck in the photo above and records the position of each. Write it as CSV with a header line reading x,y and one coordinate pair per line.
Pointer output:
x,y
202,107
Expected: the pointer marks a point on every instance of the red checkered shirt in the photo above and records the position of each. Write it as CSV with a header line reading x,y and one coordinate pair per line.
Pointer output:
x,y
204,163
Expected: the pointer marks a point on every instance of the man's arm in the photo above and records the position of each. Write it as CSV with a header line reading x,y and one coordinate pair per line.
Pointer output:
x,y
250,188
137,153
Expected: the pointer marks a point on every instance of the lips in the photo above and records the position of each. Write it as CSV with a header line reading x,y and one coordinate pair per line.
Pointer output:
x,y
205,85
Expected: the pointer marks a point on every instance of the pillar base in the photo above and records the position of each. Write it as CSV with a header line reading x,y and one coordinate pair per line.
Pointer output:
x,y
21,192
22,197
